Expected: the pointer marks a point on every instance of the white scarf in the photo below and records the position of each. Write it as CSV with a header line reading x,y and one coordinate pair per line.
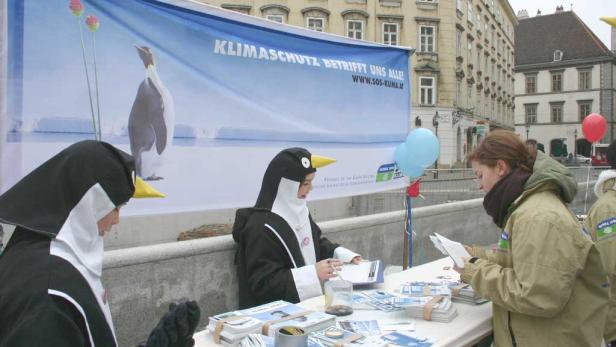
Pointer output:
x,y
603,177
79,242
295,212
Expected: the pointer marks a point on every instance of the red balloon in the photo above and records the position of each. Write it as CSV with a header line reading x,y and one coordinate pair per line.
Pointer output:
x,y
594,127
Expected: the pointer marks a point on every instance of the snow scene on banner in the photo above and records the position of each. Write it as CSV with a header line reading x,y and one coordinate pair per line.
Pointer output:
x,y
203,98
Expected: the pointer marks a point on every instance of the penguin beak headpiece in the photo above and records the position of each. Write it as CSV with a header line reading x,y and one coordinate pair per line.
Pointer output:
x,y
318,161
609,20
144,190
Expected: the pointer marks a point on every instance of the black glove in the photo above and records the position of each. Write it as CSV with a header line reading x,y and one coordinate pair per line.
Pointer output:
x,y
176,327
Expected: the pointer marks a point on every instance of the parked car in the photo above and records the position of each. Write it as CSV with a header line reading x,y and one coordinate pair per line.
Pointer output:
x,y
580,159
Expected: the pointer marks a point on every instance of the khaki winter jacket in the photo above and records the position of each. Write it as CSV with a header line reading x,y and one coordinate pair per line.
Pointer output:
x,y
546,280
601,224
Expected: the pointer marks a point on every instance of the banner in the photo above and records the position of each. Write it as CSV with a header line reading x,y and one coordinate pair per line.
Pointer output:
x,y
203,98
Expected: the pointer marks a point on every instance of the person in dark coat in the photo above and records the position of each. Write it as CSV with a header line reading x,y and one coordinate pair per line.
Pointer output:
x,y
281,253
51,292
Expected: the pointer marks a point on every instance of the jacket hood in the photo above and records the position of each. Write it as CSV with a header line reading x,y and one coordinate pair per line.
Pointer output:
x,y
548,174
606,181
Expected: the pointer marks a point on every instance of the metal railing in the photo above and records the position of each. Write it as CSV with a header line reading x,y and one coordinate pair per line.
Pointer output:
x,y
463,180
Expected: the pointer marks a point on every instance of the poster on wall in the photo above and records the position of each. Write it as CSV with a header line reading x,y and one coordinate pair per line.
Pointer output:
x,y
203,98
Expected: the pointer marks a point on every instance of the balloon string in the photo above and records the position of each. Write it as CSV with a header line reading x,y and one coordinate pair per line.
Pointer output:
x,y
587,184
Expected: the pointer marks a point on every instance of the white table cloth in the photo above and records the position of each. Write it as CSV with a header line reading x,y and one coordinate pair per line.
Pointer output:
x,y
472,323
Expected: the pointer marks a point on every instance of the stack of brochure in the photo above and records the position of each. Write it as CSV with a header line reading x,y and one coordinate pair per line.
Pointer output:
x,y
267,319
433,308
462,292
424,289
381,300
364,327
334,336
399,338
234,327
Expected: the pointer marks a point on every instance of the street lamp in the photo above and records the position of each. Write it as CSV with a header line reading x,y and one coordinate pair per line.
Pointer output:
x,y
527,126
575,132
435,120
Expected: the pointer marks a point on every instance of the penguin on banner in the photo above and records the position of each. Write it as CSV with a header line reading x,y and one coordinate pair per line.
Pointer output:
x,y
152,120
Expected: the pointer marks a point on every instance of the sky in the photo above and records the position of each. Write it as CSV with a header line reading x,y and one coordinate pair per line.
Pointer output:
x,y
588,10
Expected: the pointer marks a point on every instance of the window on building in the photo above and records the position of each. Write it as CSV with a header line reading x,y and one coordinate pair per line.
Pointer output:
x,y
485,63
531,84
530,111
427,92
479,58
355,29
469,52
584,79
275,18
584,108
458,92
426,38
493,71
557,81
493,38
469,16
558,55
479,104
479,24
316,24
556,112
458,42
390,34
459,5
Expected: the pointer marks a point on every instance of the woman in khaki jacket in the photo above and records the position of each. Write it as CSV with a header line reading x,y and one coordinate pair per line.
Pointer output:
x,y
545,278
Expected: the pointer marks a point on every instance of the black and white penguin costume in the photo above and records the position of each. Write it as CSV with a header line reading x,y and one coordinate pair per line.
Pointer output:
x,y
151,122
51,292
278,242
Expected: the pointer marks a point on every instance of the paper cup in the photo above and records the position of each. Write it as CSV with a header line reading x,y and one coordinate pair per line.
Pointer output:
x,y
289,336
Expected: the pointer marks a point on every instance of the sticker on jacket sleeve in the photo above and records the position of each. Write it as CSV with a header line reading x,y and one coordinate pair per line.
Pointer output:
x,y
607,228
503,243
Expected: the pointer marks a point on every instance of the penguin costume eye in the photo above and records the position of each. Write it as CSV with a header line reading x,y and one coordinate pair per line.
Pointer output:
x,y
306,162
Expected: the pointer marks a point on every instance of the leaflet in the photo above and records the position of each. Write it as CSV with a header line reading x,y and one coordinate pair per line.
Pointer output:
x,y
454,249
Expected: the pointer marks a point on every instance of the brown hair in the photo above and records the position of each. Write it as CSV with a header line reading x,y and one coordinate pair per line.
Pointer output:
x,y
503,145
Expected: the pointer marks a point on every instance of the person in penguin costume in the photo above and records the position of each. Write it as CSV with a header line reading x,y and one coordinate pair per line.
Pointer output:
x,y
51,292
281,254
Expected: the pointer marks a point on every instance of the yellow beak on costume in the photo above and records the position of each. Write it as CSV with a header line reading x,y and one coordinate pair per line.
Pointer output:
x,y
609,20
144,190
319,161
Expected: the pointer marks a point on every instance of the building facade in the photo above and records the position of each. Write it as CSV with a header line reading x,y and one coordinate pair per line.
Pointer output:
x,y
462,70
561,76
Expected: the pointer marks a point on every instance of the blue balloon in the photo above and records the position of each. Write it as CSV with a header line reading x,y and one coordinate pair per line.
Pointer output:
x,y
422,147
403,161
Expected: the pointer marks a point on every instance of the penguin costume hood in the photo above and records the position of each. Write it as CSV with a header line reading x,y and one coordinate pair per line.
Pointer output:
x,y
281,182
51,268
279,188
